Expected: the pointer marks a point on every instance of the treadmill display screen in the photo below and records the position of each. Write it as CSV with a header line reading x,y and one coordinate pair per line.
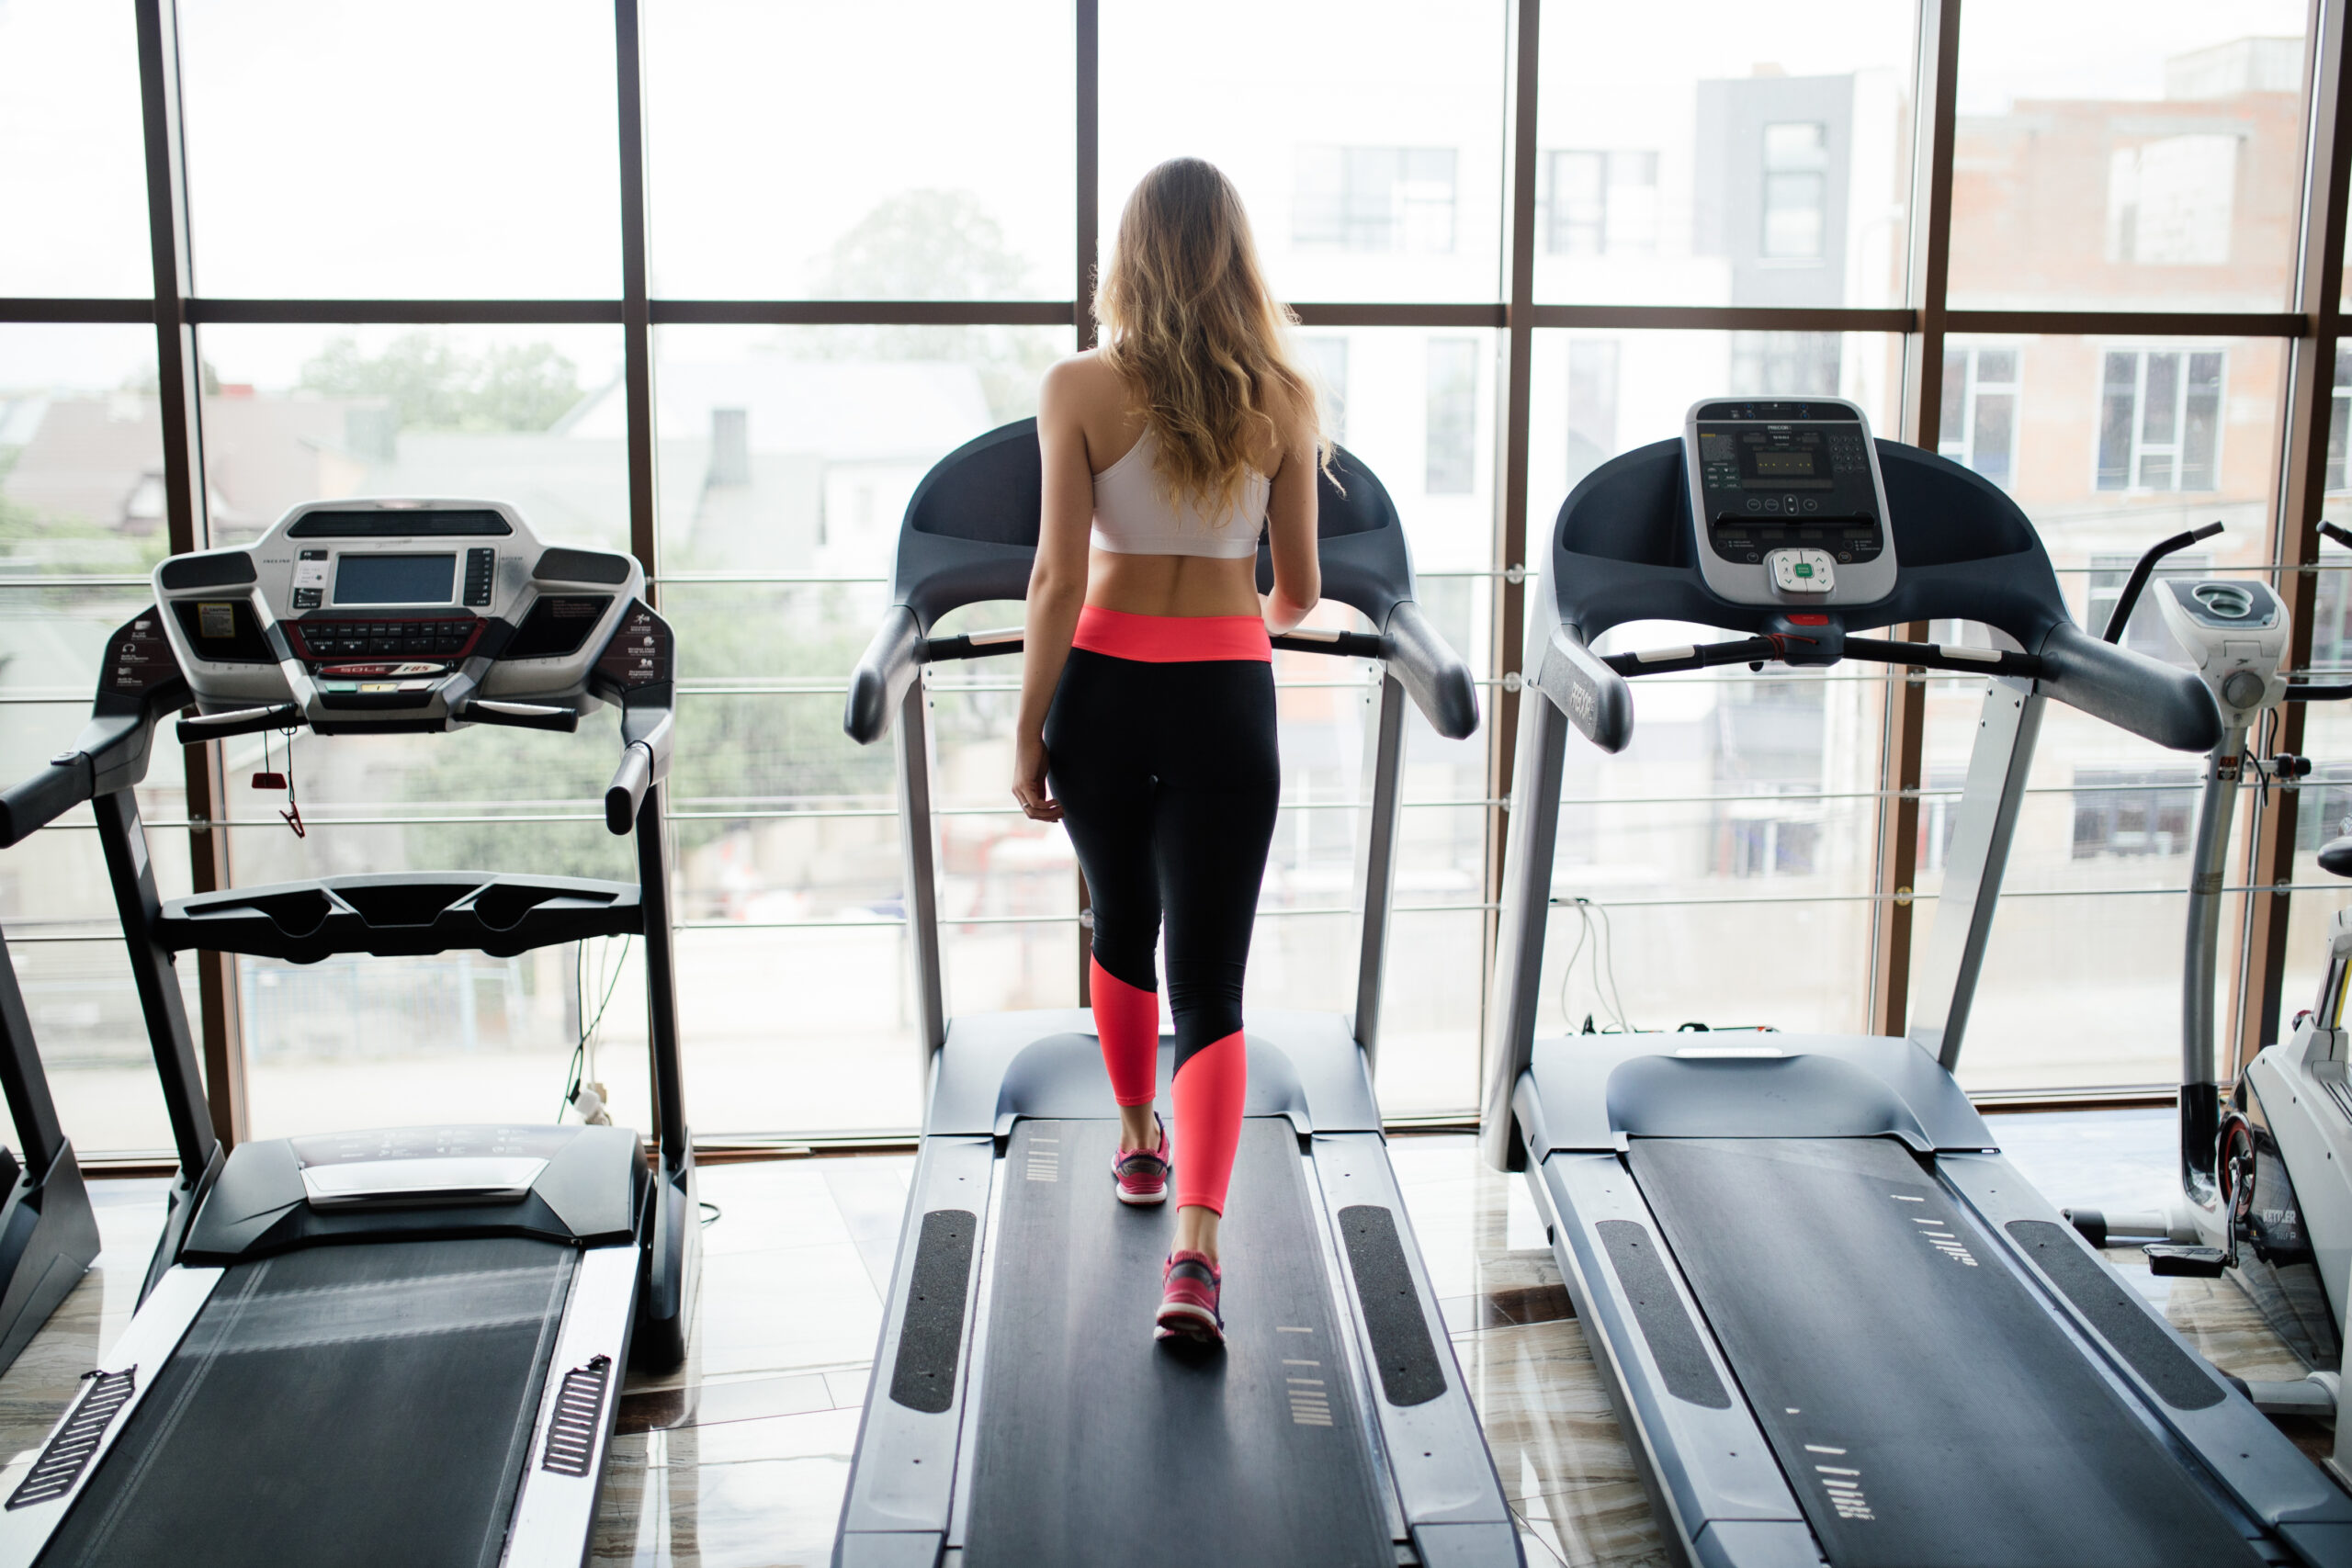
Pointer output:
x,y
394,580
1770,465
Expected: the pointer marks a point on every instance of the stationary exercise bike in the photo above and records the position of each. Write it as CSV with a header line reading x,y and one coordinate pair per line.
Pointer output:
x,y
2266,1175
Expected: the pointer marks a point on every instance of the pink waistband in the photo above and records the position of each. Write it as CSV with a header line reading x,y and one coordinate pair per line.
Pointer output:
x,y
1172,639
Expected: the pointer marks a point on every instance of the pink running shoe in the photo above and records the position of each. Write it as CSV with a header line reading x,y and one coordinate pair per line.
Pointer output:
x,y
1143,1174
1188,1304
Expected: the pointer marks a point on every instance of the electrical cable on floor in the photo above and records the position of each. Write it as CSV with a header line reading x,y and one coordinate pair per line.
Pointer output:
x,y
712,1212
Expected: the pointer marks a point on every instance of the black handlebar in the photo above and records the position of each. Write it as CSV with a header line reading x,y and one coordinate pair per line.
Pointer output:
x,y
626,791
1767,649
989,644
519,716
2129,599
1429,671
238,721
31,804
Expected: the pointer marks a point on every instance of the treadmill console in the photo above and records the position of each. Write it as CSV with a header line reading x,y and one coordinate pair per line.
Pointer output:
x,y
1787,503
396,613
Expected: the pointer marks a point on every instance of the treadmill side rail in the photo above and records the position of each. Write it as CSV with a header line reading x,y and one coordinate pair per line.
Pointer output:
x,y
154,1333
902,1481
1705,1465
2255,1460
557,1508
1437,1455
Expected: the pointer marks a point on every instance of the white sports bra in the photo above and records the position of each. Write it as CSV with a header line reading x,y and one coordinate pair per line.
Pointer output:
x,y
1133,517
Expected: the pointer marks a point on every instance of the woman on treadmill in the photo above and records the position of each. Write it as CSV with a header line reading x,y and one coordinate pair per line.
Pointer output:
x,y
1148,694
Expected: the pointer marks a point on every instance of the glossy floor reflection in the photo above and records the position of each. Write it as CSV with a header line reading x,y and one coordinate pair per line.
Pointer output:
x,y
738,1460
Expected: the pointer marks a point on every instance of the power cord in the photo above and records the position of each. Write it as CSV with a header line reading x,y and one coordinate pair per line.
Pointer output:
x,y
1603,966
588,1099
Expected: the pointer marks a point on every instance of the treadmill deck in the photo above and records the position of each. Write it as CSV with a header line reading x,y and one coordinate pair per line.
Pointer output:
x,y
1096,1445
1925,1409
364,1406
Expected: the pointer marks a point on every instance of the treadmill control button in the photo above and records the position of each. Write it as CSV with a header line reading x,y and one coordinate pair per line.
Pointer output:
x,y
1802,570
481,570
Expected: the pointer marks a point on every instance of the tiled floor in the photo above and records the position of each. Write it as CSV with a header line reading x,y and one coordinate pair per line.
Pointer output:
x,y
739,1459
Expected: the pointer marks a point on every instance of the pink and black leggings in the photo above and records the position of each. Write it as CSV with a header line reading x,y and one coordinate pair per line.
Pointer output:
x,y
1162,740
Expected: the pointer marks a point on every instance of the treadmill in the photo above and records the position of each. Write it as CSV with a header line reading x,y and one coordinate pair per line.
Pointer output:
x,y
49,1234
400,1347
1019,1411
1835,1324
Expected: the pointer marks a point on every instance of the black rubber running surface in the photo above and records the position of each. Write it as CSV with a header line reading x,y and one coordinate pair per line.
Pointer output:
x,y
1927,1409
1097,1446
357,1406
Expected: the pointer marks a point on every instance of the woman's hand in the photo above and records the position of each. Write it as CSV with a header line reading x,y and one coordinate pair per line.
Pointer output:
x,y
1029,763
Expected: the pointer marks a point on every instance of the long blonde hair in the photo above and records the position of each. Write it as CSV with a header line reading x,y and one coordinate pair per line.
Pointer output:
x,y
1187,320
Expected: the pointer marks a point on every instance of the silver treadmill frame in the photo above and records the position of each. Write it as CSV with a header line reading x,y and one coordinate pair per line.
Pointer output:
x,y
909,1486
1738,1512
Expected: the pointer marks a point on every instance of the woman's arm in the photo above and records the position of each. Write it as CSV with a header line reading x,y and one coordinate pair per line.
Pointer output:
x,y
1056,582
1291,532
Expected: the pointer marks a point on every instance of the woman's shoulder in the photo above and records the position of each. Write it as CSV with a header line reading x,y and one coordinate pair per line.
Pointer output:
x,y
1084,376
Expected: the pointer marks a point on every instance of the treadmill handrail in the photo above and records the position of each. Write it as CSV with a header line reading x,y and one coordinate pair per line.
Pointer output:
x,y
884,671
2153,701
1433,676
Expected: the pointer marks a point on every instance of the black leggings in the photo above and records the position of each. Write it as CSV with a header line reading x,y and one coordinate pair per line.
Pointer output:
x,y
1169,778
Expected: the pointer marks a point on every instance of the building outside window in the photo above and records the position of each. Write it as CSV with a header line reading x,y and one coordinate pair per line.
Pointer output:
x,y
2160,420
1980,411
1796,189
2128,811
1327,361
1452,440
2168,201
1376,199
1784,364
1601,203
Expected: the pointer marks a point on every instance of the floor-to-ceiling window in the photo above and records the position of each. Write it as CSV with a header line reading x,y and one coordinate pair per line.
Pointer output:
x,y
412,260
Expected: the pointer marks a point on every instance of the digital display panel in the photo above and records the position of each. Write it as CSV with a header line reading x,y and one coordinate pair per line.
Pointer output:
x,y
1775,465
394,580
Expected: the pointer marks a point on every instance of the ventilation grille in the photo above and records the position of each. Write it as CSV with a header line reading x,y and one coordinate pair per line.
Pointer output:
x,y
61,1464
571,1435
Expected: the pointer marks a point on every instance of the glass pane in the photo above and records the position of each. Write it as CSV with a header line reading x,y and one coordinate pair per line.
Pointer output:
x,y
358,1042
1595,393
80,450
468,152
81,458
1772,162
876,170
795,449
1745,801
75,182
1376,174
2158,166
840,1057
2082,985
530,415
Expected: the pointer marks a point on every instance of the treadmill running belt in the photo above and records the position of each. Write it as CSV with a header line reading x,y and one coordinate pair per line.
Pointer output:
x,y
360,1405
1097,1446
1927,1409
